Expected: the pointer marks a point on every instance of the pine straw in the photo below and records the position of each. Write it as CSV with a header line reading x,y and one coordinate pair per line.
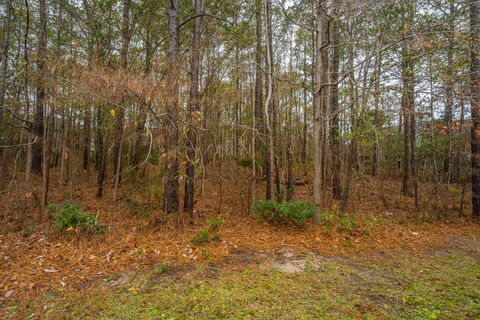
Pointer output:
x,y
134,243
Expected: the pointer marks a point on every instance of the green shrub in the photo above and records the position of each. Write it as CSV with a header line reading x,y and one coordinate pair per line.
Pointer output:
x,y
215,237
215,223
205,236
294,211
334,220
245,162
71,216
201,237
347,224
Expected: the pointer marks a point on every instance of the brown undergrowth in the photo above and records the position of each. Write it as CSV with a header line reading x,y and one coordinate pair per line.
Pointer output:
x,y
36,257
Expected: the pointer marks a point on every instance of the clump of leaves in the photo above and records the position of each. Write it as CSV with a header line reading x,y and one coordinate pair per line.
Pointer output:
x,y
245,162
294,211
164,268
71,216
205,236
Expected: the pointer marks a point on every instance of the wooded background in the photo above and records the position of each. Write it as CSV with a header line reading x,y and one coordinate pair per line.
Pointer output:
x,y
156,91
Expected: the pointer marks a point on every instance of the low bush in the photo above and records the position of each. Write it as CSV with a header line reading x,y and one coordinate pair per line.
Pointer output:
x,y
347,224
245,162
351,224
215,223
71,216
294,211
205,236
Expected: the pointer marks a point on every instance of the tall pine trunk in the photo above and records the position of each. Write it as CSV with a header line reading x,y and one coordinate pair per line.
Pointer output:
x,y
170,201
319,105
120,110
334,110
408,109
4,59
269,105
449,93
3,75
193,109
258,81
475,96
38,128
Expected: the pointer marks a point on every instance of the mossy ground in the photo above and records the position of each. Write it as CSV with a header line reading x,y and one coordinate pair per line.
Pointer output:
x,y
442,284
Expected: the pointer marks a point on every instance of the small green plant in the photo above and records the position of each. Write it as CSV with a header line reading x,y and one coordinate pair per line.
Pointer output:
x,y
205,254
201,238
294,211
164,268
205,236
347,224
28,231
215,223
247,272
215,237
280,194
71,216
139,252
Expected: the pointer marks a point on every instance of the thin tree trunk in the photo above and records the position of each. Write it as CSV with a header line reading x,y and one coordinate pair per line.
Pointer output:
x,y
38,129
352,150
449,93
86,139
47,149
120,110
193,110
334,110
3,79
4,61
269,103
143,107
475,96
101,154
317,110
258,80
28,164
305,104
408,107
237,104
170,204
376,116
325,114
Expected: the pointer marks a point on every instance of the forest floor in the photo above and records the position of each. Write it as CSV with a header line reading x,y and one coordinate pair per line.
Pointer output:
x,y
373,263
440,283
